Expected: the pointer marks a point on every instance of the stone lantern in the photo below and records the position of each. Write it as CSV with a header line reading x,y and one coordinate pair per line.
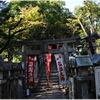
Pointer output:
x,y
79,88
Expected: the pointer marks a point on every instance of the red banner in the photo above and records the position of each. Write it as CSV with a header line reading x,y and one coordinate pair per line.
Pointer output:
x,y
48,60
48,57
30,70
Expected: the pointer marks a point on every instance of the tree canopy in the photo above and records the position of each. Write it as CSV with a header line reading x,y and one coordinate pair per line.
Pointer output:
x,y
39,20
88,16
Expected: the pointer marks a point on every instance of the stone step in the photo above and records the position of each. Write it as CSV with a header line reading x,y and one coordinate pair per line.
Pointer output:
x,y
53,86
47,95
44,78
51,80
51,71
43,91
51,75
41,84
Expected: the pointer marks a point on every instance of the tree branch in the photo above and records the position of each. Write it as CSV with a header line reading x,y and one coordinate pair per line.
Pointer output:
x,y
18,31
9,35
16,24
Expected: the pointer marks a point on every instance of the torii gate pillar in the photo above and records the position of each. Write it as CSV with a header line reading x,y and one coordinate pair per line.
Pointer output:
x,y
24,55
66,57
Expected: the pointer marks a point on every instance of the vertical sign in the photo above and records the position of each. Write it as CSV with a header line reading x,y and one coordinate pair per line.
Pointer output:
x,y
30,70
97,81
48,60
61,70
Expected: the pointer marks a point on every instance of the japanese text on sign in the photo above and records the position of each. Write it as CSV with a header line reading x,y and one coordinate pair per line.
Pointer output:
x,y
61,71
30,70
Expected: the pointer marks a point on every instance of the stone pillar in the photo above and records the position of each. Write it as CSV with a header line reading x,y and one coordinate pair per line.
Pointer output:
x,y
66,58
24,56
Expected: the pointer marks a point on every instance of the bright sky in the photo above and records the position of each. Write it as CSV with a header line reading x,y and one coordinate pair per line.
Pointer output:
x,y
73,3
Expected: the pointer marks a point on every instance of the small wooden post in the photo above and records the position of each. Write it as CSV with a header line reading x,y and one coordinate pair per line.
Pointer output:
x,y
24,50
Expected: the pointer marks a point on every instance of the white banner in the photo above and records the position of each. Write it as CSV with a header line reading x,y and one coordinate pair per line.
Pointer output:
x,y
61,70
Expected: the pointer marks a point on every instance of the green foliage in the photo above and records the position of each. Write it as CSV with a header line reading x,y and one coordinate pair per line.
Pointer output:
x,y
41,20
88,16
